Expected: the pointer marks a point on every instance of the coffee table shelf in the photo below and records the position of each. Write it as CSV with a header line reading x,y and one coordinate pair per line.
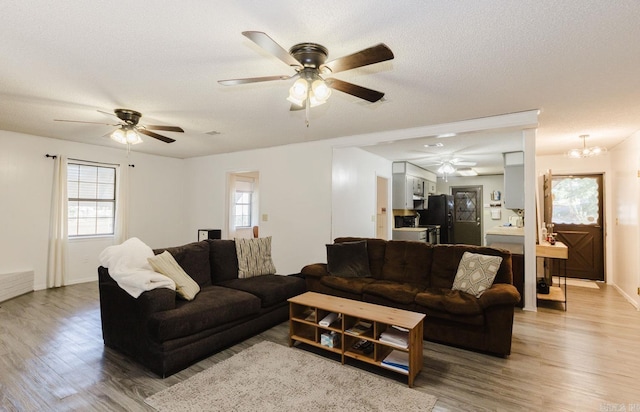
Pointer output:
x,y
308,309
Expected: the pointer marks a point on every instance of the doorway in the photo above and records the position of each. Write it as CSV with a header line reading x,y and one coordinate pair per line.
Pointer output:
x,y
467,215
578,219
382,200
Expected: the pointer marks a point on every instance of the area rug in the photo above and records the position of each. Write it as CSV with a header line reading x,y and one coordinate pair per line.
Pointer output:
x,y
272,377
583,283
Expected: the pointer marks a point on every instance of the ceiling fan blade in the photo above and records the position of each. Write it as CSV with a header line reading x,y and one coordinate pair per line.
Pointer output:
x,y
233,82
108,113
267,43
464,163
375,54
156,135
81,121
355,90
165,128
295,107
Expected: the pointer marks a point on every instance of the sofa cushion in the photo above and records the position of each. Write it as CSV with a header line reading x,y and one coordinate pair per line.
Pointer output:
x,y
223,260
451,301
375,250
348,259
254,257
404,293
476,273
212,307
352,285
406,261
271,289
194,259
165,264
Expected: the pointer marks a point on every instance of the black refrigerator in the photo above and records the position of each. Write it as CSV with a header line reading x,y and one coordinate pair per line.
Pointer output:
x,y
440,212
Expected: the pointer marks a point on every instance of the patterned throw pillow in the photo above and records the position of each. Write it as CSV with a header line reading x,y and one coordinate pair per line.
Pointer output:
x,y
476,273
166,264
254,257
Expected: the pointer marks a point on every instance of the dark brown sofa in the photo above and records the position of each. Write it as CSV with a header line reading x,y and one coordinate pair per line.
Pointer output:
x,y
166,334
418,276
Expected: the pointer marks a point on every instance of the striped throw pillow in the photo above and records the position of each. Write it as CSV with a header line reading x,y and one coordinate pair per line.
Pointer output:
x,y
254,257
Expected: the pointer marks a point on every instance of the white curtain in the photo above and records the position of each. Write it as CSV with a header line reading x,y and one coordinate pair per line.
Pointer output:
x,y
121,231
57,257
232,206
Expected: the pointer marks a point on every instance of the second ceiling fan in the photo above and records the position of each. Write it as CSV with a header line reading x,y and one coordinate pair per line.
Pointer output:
x,y
309,61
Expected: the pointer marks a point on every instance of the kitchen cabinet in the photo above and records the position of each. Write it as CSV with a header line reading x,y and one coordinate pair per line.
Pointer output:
x,y
514,180
410,186
402,193
430,188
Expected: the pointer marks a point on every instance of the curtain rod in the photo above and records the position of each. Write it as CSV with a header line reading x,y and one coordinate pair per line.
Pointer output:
x,y
88,161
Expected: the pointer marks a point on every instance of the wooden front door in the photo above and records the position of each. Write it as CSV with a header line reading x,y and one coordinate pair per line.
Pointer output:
x,y
578,217
467,215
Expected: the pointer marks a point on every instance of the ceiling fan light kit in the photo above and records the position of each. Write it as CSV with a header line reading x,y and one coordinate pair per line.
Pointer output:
x,y
585,151
129,131
308,60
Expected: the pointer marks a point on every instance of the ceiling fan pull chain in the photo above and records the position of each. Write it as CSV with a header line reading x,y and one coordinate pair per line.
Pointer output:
x,y
307,107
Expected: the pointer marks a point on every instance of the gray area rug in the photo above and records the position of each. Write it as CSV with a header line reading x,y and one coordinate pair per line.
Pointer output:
x,y
272,377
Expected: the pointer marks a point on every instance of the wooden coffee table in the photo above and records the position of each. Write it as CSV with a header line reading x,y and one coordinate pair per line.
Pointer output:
x,y
308,309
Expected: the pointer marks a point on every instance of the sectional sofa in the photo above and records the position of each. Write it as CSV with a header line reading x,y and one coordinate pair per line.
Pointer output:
x,y
166,334
418,276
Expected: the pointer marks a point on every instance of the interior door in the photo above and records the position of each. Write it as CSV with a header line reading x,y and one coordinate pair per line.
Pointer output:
x,y
578,217
467,215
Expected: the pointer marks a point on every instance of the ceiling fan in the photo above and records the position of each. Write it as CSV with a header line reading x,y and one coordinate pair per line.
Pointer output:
x,y
450,166
129,130
308,59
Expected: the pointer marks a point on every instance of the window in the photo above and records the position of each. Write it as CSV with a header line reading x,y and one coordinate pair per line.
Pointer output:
x,y
92,199
243,209
575,200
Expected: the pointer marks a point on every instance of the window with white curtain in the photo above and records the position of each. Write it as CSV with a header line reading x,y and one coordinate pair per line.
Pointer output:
x,y
91,190
243,203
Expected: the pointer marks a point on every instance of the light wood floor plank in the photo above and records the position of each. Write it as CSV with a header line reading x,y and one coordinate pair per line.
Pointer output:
x,y
587,358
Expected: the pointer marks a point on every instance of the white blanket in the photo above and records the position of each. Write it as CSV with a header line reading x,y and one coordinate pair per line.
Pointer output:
x,y
128,266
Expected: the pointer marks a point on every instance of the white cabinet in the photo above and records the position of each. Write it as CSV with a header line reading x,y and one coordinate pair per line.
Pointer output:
x,y
430,188
514,180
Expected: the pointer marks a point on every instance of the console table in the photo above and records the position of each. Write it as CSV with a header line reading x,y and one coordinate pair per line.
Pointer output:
x,y
308,309
558,251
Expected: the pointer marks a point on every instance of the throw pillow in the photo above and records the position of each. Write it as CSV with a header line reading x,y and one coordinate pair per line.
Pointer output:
x,y
254,257
476,273
165,263
348,259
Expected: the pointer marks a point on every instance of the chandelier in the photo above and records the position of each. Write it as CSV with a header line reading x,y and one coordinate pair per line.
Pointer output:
x,y
585,151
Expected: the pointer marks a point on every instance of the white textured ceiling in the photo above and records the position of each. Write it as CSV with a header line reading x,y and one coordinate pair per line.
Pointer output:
x,y
576,60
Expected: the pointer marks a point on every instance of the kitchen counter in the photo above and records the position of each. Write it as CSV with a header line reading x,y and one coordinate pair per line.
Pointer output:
x,y
506,237
410,229
506,231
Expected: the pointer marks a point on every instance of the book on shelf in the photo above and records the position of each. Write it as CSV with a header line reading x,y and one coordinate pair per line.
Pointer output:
x,y
397,360
396,337
360,328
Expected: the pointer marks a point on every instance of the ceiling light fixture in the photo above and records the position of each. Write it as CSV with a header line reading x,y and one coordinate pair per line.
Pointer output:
x,y
126,134
446,169
310,90
585,151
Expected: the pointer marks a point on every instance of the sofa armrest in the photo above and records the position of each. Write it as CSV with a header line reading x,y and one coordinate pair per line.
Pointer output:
x,y
315,270
150,301
499,294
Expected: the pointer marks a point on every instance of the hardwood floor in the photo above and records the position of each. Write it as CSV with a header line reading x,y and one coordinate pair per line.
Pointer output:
x,y
586,359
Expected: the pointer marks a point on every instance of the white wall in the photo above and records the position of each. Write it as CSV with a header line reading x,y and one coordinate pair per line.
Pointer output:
x,y
295,194
354,192
625,227
156,207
